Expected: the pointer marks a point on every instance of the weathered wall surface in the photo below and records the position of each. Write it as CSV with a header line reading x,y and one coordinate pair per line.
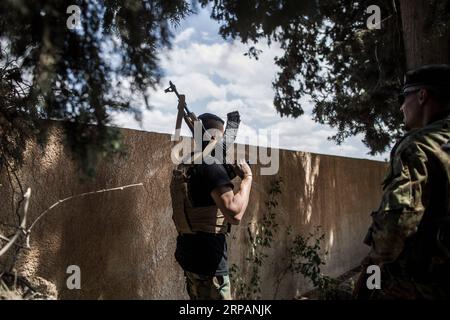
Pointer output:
x,y
124,241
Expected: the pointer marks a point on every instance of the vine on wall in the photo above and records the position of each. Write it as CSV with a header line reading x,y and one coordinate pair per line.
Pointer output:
x,y
303,255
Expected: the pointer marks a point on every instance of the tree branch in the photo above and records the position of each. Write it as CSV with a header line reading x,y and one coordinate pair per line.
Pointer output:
x,y
10,171
73,197
22,224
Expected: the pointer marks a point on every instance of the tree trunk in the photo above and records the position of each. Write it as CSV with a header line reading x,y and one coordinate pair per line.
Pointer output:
x,y
424,44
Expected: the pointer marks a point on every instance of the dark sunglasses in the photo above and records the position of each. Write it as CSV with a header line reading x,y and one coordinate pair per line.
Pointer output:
x,y
402,96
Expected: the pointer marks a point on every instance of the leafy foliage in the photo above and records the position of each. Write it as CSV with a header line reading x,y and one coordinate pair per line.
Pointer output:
x,y
48,71
352,74
303,255
305,258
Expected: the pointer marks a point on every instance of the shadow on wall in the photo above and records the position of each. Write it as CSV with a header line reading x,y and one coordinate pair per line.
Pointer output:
x,y
114,237
294,210
298,212
93,232
317,191
124,241
99,239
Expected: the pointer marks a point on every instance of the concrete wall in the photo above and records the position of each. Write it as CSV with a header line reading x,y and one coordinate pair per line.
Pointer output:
x,y
124,241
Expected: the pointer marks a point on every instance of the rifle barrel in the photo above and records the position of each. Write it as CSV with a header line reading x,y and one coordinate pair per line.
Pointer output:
x,y
174,89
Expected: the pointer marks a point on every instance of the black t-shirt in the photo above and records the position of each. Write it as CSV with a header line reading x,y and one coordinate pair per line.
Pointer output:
x,y
204,253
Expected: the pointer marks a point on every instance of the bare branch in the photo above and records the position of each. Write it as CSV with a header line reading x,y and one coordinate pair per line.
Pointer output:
x,y
73,197
4,238
10,171
22,224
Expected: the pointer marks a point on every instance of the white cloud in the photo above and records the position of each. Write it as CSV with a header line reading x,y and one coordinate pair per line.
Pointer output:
x,y
184,36
198,86
225,60
222,107
250,135
216,77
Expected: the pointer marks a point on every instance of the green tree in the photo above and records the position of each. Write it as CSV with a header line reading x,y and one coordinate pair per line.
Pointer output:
x,y
51,71
48,71
352,73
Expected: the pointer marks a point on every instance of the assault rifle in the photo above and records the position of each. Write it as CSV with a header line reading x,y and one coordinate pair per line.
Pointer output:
x,y
232,126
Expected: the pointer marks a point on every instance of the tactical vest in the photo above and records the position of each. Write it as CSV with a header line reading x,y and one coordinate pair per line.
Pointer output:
x,y
187,218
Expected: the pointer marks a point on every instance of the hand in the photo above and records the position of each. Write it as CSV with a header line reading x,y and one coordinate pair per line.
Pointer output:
x,y
243,169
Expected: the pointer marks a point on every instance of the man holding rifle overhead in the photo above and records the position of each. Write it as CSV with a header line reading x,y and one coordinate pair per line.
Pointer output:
x,y
205,206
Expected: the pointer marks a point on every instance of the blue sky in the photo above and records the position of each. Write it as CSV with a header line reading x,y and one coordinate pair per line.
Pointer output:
x,y
216,77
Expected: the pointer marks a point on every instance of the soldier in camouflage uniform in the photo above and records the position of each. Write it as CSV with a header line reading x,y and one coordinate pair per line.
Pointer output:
x,y
409,235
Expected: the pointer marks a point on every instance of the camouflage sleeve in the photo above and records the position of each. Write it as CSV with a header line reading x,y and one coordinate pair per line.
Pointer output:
x,y
402,205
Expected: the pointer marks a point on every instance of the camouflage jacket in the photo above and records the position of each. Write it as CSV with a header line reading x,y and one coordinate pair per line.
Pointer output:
x,y
414,208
